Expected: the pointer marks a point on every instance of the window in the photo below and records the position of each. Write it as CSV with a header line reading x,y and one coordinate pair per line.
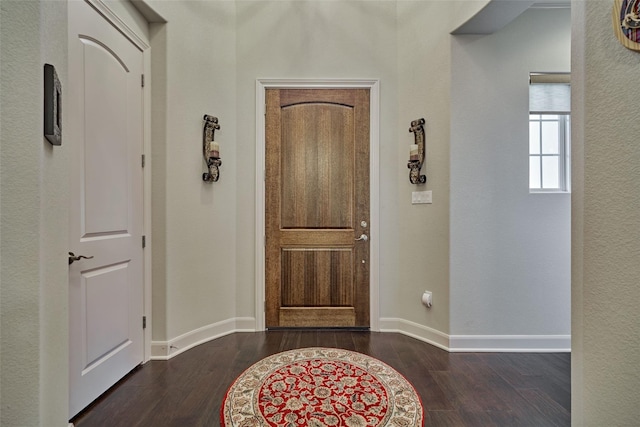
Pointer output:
x,y
548,152
549,132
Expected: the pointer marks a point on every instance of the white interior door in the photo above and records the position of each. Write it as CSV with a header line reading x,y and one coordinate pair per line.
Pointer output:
x,y
104,134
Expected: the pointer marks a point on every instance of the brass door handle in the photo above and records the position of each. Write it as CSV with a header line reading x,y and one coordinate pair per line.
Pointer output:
x,y
363,237
74,257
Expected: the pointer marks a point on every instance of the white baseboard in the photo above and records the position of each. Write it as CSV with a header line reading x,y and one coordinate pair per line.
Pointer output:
x,y
479,343
510,343
415,330
165,350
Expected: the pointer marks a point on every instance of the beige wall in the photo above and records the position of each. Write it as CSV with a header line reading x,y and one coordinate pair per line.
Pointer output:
x,y
207,59
310,40
204,235
606,223
201,217
34,227
420,233
194,223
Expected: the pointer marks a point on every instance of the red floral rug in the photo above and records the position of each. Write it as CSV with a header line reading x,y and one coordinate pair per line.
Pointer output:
x,y
317,387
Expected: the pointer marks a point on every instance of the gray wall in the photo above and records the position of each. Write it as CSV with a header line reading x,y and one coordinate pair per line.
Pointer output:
x,y
510,250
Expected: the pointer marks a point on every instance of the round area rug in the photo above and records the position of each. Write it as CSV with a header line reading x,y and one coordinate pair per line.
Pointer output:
x,y
319,387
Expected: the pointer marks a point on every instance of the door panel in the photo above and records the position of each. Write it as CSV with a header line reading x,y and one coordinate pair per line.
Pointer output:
x,y
106,176
107,312
103,131
326,273
317,181
317,196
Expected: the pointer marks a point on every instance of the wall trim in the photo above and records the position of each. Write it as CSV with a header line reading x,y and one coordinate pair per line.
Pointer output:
x,y
415,330
478,343
374,184
103,9
165,350
510,343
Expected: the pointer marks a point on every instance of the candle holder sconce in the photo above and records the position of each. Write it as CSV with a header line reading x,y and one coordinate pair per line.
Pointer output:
x,y
416,158
211,149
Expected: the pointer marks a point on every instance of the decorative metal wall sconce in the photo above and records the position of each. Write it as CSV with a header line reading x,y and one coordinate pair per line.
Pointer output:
x,y
416,153
211,149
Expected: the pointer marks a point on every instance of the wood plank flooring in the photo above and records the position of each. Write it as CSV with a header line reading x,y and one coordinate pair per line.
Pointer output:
x,y
457,389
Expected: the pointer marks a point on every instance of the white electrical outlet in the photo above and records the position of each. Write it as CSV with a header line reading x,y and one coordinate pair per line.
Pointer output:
x,y
421,197
427,299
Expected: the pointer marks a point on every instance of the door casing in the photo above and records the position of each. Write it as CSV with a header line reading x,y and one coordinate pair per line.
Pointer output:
x,y
374,183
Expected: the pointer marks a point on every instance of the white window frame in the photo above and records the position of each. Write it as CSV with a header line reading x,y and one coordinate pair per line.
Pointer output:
x,y
548,96
564,150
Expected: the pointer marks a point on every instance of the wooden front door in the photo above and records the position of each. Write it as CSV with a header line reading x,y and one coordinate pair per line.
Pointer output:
x,y
317,208
104,135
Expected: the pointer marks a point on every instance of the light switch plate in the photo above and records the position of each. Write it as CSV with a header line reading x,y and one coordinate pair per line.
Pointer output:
x,y
421,197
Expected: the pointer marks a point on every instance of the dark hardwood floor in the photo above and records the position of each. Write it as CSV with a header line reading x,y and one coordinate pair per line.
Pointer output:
x,y
457,389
